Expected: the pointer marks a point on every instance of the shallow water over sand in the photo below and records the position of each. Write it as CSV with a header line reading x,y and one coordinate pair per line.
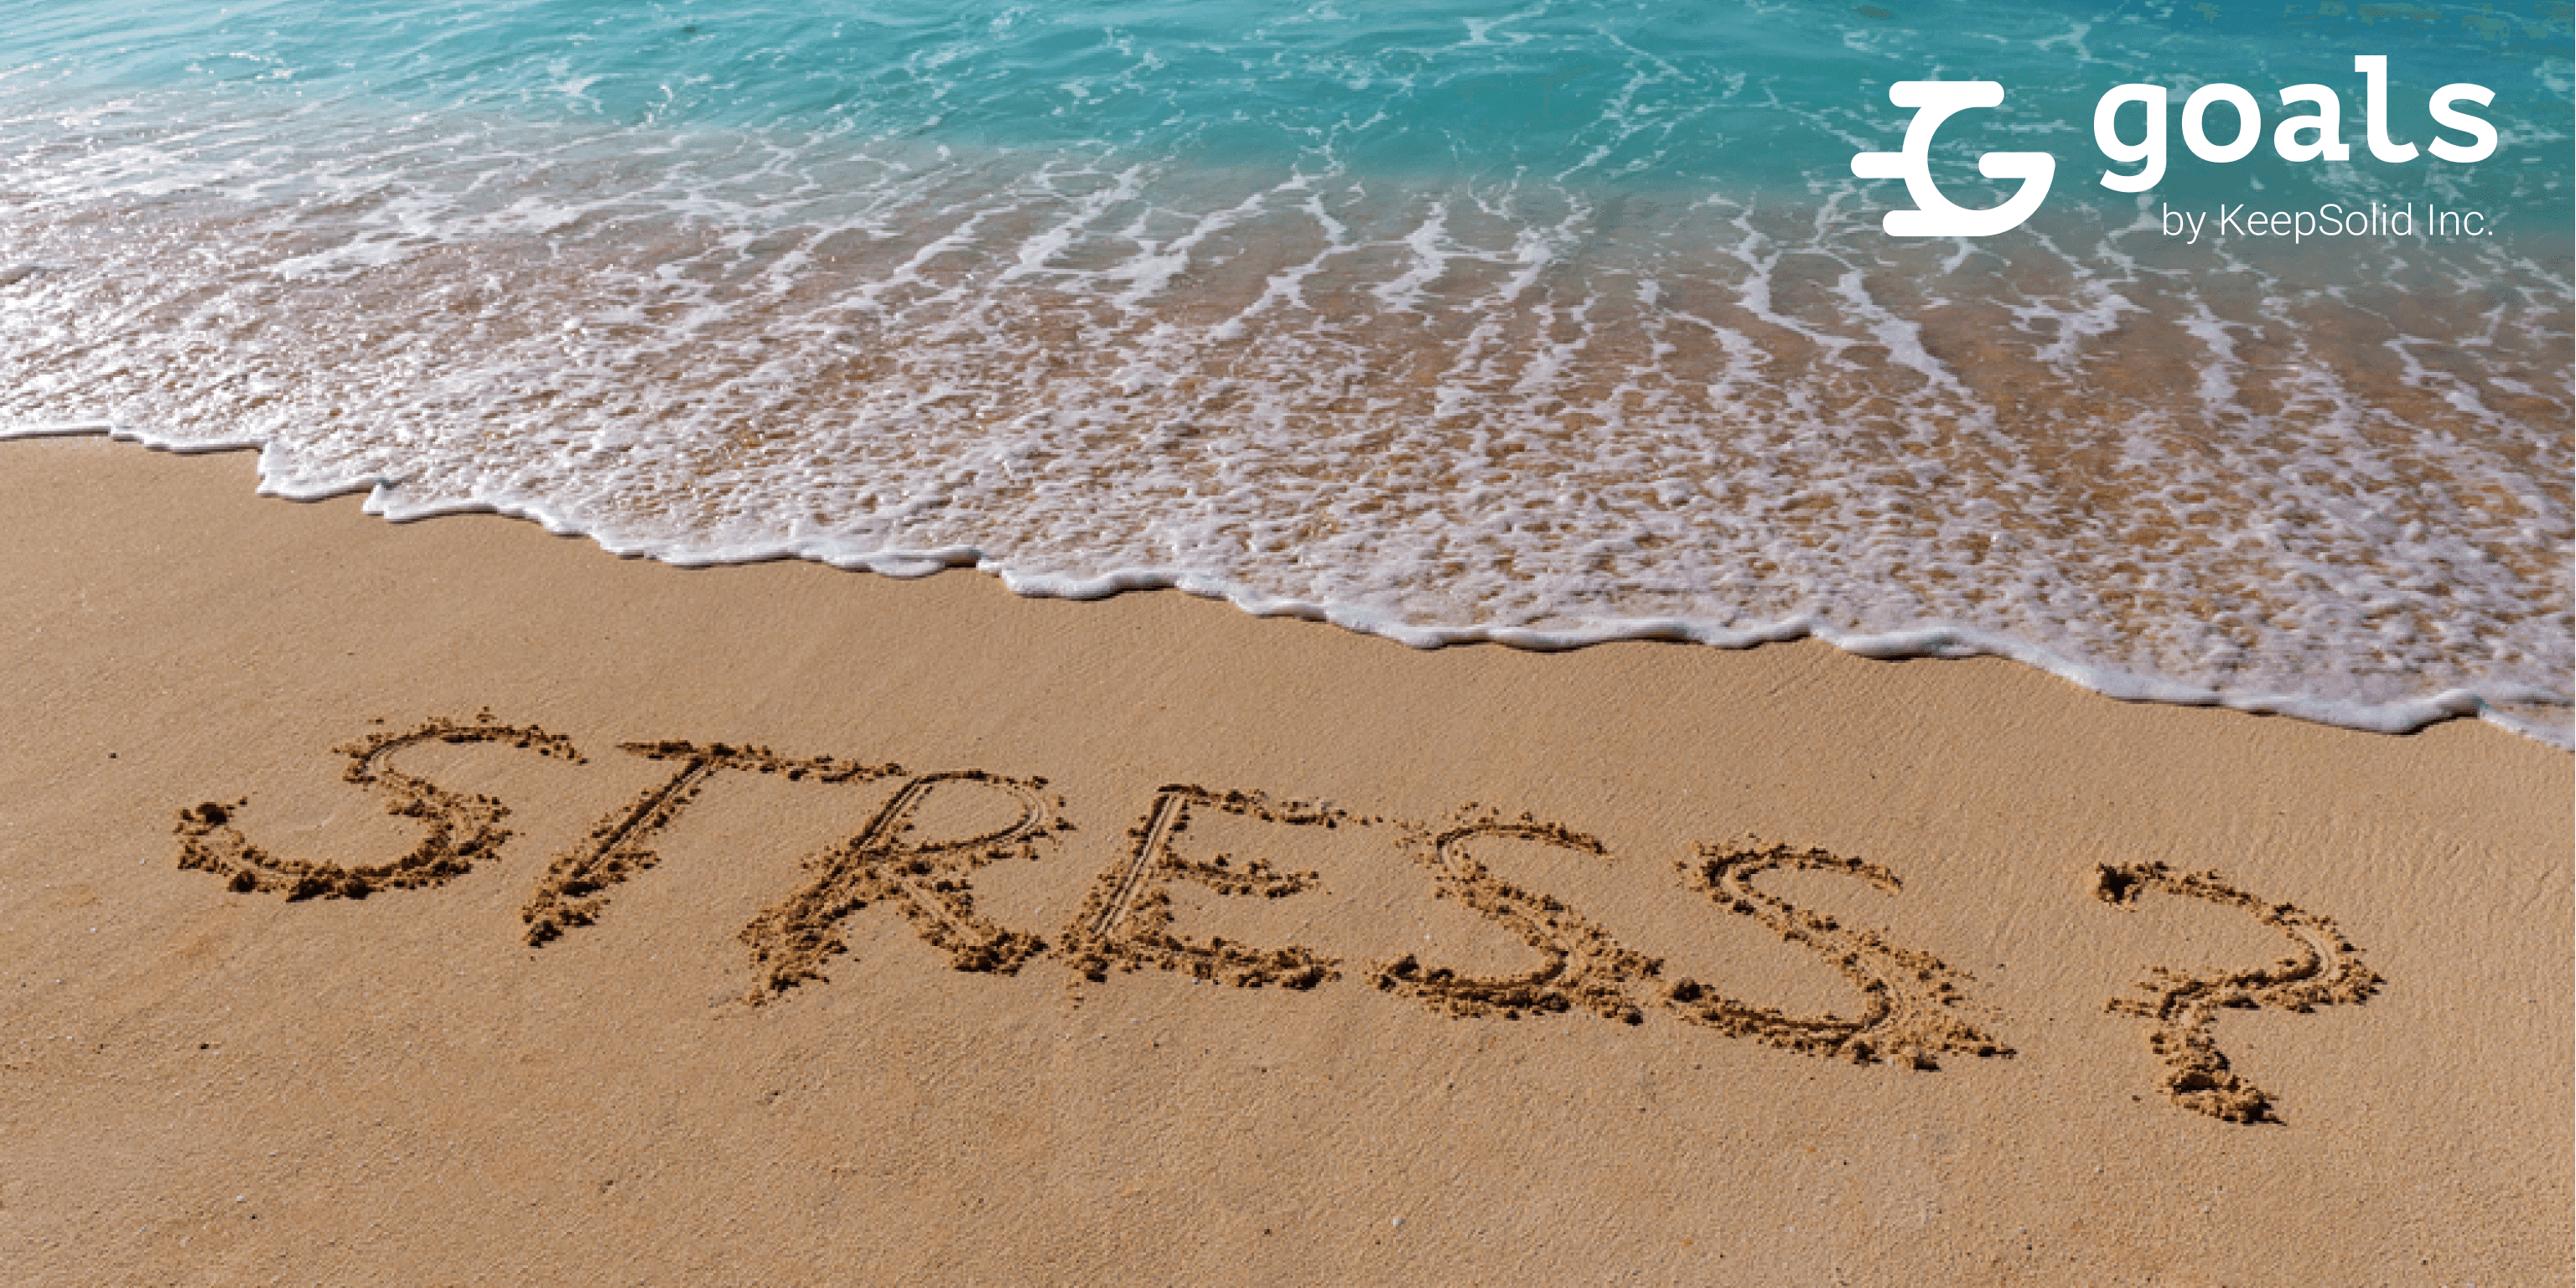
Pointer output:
x,y
1547,332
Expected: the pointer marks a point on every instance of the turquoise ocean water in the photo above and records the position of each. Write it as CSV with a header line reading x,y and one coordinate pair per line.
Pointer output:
x,y
1546,323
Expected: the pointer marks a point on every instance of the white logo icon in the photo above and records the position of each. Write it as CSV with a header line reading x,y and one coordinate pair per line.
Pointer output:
x,y
1933,102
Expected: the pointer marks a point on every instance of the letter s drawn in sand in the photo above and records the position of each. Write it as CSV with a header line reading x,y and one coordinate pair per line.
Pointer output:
x,y
462,828
1581,965
1913,1011
2326,971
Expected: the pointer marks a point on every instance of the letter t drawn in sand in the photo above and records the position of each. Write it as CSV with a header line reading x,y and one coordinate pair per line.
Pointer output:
x,y
575,887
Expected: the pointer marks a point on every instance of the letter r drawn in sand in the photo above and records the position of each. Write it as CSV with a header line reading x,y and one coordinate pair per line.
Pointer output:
x,y
926,880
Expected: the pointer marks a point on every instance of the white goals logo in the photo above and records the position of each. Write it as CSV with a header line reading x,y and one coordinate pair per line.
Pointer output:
x,y
2309,136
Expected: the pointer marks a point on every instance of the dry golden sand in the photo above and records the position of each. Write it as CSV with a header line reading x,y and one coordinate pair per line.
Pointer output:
x,y
779,926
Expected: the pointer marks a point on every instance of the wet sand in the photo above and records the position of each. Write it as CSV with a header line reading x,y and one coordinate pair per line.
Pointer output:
x,y
430,903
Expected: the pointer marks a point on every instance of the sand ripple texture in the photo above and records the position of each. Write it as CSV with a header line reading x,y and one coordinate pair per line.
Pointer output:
x,y
1340,376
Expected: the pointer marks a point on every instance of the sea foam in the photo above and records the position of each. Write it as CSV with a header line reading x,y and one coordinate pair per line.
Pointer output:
x,y
1541,330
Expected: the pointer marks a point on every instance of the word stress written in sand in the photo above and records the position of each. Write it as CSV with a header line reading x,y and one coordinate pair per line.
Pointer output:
x,y
915,857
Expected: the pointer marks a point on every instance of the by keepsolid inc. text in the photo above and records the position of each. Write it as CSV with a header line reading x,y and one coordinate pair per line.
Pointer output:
x,y
2332,219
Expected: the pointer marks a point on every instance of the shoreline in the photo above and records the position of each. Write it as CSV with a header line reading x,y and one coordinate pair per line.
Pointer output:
x,y
758,1053
1943,642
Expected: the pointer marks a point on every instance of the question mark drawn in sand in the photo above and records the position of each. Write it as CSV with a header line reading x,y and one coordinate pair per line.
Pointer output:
x,y
1127,920
574,888
2182,1008
1581,966
925,880
462,828
1913,1011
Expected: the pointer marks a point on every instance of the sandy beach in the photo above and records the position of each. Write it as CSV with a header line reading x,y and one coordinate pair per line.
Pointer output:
x,y
451,902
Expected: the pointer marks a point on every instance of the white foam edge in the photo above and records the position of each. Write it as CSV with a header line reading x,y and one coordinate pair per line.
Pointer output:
x,y
1928,641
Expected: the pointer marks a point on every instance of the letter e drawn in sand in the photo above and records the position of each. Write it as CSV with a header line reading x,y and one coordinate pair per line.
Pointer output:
x,y
575,886
462,828
1127,920
1580,964
2182,1008
1912,1011
925,880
